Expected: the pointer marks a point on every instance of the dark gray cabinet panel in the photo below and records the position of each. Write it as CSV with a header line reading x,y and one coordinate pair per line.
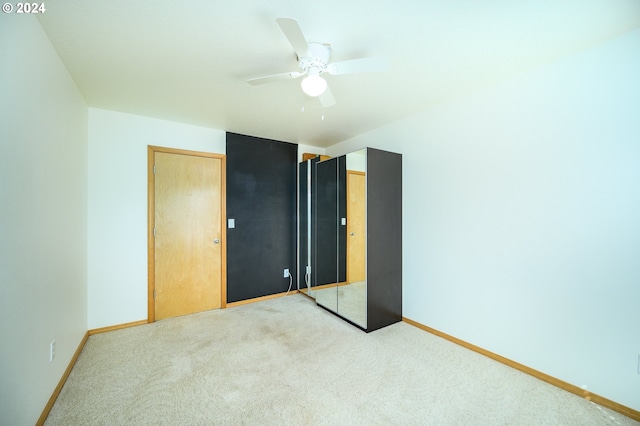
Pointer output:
x,y
384,238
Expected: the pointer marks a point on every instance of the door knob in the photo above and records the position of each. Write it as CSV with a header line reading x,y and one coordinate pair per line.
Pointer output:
x,y
216,241
352,234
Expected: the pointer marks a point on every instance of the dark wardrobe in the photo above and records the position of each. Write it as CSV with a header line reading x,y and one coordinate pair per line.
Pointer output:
x,y
350,236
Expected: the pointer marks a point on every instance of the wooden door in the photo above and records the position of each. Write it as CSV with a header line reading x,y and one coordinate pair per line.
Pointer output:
x,y
188,218
356,225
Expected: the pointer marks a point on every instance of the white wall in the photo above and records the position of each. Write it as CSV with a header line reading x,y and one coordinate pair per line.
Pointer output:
x,y
117,256
43,219
522,217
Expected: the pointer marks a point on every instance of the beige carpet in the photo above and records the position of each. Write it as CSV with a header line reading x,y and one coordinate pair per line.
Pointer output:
x,y
288,362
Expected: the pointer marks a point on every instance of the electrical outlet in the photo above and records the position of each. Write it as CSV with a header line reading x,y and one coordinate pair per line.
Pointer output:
x,y
52,350
286,273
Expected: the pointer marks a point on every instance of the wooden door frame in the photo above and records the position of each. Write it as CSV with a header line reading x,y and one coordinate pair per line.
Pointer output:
x,y
151,214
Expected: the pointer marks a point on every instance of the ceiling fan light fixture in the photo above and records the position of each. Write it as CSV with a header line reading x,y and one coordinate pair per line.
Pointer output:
x,y
313,85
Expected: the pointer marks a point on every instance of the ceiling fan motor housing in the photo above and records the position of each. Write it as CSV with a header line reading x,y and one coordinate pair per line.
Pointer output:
x,y
317,59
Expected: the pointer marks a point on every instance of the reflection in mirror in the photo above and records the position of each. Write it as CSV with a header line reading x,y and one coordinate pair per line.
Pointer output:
x,y
328,233
305,177
352,296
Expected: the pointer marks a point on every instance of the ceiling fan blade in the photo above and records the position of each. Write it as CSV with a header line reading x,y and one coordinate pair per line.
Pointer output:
x,y
373,64
275,77
327,99
291,30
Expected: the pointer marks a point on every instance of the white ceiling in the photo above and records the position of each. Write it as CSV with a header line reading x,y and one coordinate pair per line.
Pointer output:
x,y
188,61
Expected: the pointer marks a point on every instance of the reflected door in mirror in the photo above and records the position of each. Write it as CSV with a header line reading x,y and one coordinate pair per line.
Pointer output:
x,y
356,266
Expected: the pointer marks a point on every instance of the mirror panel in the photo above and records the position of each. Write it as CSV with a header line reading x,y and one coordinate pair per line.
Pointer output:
x,y
352,295
305,170
325,232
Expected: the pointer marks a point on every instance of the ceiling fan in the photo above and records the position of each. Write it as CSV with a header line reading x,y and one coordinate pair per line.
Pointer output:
x,y
313,61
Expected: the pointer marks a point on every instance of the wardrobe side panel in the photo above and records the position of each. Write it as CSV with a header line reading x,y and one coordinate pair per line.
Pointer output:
x,y
384,238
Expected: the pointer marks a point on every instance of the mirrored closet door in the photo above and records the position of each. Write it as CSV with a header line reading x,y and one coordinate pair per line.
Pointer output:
x,y
335,223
